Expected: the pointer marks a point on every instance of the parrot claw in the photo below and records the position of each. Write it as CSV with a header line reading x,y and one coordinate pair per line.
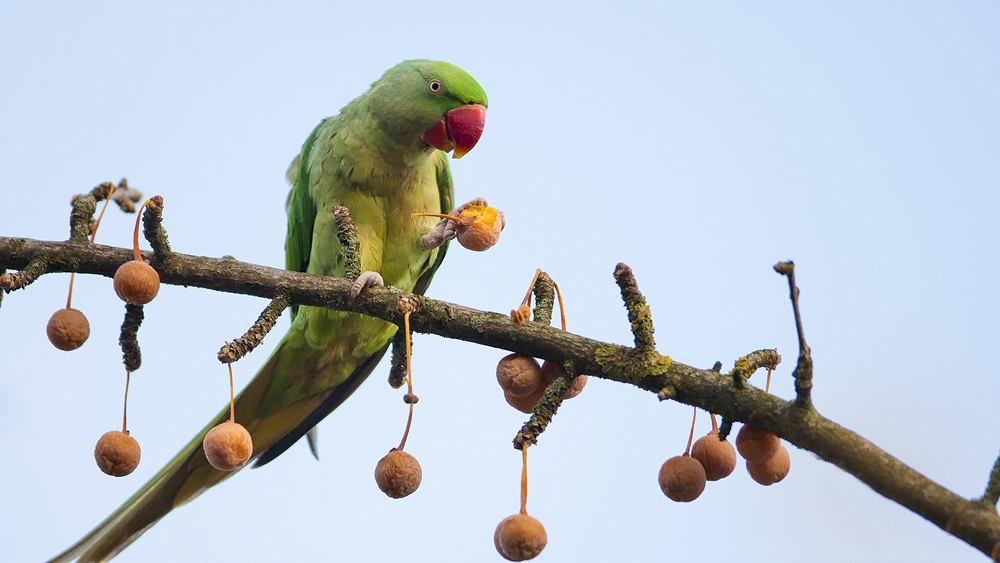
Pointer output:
x,y
364,281
445,229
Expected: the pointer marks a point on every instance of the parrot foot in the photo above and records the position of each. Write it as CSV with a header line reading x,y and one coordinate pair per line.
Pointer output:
x,y
364,281
445,229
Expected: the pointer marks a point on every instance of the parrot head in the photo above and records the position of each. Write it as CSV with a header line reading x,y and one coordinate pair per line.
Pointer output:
x,y
430,104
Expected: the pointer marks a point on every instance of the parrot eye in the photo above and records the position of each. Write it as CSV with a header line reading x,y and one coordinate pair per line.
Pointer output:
x,y
435,87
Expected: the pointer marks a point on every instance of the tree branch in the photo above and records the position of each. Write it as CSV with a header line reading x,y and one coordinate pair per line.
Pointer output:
x,y
803,370
974,523
992,494
245,344
154,232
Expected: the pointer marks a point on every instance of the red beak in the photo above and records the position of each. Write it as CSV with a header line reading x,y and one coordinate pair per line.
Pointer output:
x,y
459,129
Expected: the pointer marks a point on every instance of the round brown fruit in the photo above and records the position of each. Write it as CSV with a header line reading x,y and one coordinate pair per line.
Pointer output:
x,y
718,457
68,329
518,375
136,282
525,404
772,470
480,227
398,474
682,478
228,446
756,445
519,538
552,371
117,453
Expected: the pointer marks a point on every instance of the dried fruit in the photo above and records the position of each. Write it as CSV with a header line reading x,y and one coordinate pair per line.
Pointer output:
x,y
772,470
478,226
228,446
68,329
398,474
527,403
718,457
552,371
682,478
519,538
756,445
482,227
519,375
117,453
136,282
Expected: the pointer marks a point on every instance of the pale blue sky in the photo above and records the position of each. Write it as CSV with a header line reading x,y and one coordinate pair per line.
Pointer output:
x,y
700,144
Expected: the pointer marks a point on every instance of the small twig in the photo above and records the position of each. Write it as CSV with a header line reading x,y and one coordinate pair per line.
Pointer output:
x,y
347,233
668,392
638,310
803,370
243,345
81,216
544,410
36,268
992,494
101,191
544,298
725,428
154,232
397,371
131,356
747,365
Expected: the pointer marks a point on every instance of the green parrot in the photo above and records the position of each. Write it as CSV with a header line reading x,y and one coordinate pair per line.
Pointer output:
x,y
383,157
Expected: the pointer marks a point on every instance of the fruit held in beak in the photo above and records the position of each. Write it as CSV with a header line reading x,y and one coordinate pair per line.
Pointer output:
x,y
458,130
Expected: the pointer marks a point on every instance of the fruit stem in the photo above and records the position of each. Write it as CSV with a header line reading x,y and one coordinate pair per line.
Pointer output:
x,y
69,298
135,236
524,479
441,215
527,298
99,217
768,386
232,403
409,419
128,376
715,427
562,312
409,379
687,451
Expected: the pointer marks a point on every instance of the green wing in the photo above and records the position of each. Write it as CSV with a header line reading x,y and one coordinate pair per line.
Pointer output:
x,y
301,212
